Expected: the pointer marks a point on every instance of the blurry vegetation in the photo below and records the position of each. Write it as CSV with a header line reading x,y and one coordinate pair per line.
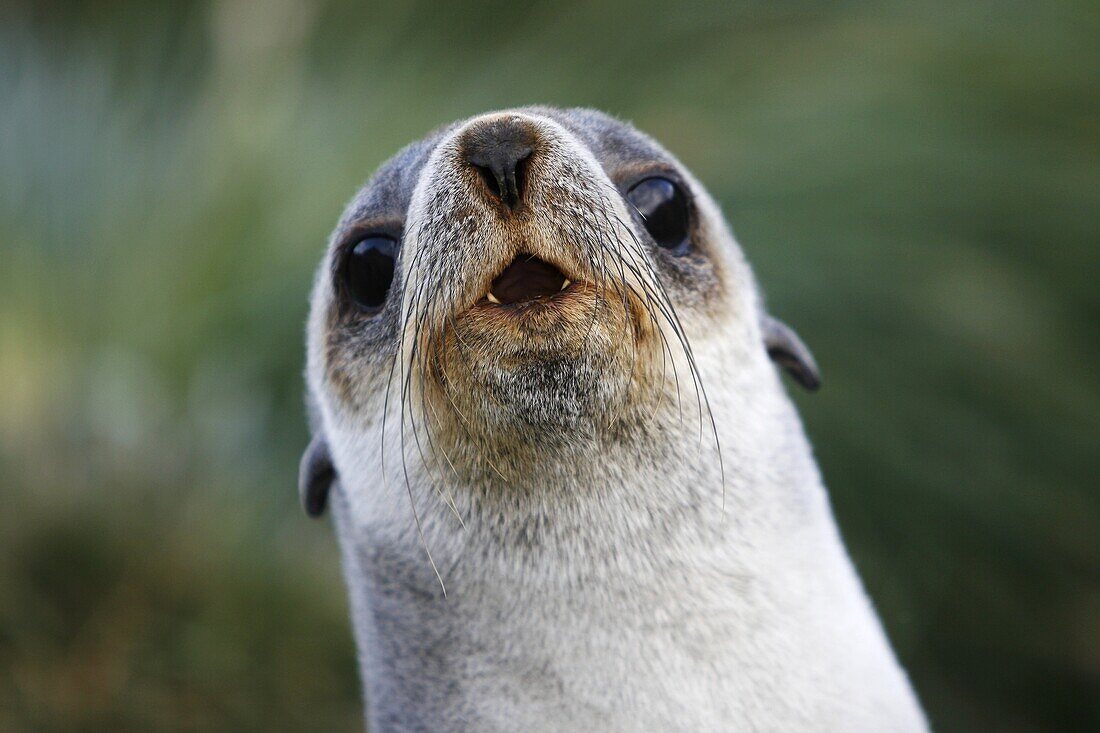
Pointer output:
x,y
917,185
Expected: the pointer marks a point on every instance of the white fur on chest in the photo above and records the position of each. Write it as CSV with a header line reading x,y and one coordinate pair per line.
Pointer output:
x,y
767,637
747,618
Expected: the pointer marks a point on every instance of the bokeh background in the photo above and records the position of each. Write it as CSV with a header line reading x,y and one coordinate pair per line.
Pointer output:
x,y
917,184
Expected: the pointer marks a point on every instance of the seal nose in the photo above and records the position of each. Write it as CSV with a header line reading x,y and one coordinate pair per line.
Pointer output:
x,y
499,151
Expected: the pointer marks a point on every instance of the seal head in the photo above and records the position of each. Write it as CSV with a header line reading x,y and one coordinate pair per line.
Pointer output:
x,y
523,280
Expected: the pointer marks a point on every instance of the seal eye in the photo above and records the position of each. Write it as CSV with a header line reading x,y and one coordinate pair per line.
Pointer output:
x,y
664,209
368,271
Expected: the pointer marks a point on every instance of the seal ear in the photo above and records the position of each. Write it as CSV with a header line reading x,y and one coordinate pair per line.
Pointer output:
x,y
315,476
787,350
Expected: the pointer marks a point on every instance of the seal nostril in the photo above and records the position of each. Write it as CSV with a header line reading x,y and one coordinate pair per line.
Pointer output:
x,y
520,175
488,178
500,151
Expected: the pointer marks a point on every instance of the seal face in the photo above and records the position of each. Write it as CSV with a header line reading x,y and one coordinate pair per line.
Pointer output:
x,y
538,360
541,264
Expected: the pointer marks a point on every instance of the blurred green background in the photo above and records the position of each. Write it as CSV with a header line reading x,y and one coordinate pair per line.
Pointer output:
x,y
917,185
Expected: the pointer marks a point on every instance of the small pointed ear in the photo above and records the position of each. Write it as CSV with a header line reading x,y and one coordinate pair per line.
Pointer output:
x,y
315,476
787,350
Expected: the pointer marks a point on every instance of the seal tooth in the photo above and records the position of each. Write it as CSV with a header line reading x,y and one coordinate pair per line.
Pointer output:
x,y
565,284
491,298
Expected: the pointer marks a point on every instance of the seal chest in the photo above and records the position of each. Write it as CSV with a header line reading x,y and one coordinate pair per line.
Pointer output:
x,y
569,488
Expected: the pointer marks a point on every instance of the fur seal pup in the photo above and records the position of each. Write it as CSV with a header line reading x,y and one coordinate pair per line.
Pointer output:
x,y
570,491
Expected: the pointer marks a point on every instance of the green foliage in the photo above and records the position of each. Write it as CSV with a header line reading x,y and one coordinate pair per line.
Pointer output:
x,y
918,188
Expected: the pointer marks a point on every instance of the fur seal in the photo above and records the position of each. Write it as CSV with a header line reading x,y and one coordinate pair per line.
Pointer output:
x,y
570,491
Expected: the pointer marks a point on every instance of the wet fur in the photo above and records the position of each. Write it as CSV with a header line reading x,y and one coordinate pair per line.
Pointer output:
x,y
602,518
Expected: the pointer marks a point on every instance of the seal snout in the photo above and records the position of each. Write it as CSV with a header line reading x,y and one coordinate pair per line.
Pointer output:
x,y
499,150
527,278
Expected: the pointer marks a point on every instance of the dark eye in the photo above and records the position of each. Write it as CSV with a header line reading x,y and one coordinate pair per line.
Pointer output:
x,y
664,208
368,271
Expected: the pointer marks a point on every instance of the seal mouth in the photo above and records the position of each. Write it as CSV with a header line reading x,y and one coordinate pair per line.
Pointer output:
x,y
526,279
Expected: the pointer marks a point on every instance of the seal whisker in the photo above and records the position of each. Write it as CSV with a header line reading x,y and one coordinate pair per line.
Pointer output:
x,y
400,341
652,304
406,376
696,374
432,364
601,254
435,449
662,301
